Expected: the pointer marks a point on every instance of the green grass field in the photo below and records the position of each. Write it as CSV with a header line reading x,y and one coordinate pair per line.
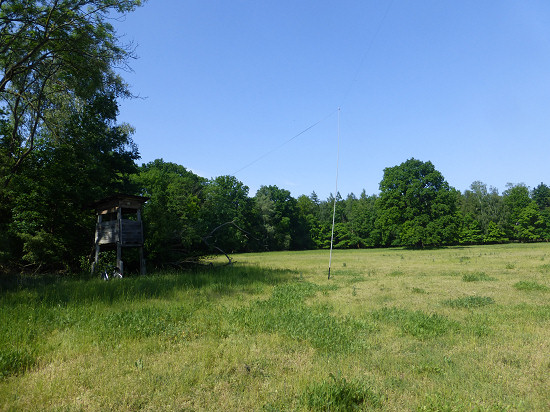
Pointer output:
x,y
465,328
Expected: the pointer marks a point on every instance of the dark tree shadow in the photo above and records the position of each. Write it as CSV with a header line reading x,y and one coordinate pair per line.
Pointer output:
x,y
55,290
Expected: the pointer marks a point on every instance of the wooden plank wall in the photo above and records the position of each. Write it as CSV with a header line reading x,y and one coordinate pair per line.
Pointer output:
x,y
108,233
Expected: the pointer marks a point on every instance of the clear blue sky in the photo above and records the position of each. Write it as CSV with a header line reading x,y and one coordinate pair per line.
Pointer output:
x,y
464,84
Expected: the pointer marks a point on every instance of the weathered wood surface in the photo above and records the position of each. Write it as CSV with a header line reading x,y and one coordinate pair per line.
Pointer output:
x,y
111,204
106,232
132,233
109,232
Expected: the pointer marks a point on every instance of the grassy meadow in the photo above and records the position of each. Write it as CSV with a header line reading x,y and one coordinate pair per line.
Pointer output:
x,y
453,329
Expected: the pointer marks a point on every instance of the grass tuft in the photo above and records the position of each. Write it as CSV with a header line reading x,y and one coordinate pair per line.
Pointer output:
x,y
439,402
16,361
339,394
416,323
527,285
286,312
476,277
142,323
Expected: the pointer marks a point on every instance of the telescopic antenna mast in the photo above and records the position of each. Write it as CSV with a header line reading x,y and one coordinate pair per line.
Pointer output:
x,y
335,196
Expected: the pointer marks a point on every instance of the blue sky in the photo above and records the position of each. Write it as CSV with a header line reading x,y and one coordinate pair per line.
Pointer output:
x,y
228,86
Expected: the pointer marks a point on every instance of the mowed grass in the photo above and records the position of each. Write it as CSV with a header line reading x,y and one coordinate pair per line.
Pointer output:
x,y
436,330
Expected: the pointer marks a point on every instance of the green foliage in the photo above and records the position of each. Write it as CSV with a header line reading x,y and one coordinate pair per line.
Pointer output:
x,y
61,149
471,232
52,197
171,215
308,221
278,216
226,200
485,206
60,146
47,221
188,216
106,261
495,234
530,223
55,56
541,195
516,198
417,207
361,215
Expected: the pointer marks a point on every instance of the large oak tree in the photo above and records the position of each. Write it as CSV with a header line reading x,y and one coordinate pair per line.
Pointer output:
x,y
417,207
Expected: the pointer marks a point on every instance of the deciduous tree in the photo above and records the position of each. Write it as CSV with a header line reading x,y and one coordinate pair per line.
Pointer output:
x,y
171,215
58,107
54,55
51,218
226,200
417,207
277,212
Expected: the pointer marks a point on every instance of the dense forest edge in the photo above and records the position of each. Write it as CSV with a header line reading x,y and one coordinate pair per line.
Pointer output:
x,y
62,149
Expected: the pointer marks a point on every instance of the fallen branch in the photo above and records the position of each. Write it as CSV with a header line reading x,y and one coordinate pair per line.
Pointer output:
x,y
232,223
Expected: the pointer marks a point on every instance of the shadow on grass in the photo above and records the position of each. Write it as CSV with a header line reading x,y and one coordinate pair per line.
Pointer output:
x,y
51,290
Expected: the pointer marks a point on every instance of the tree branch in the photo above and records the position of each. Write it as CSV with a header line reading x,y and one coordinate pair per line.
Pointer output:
x,y
232,223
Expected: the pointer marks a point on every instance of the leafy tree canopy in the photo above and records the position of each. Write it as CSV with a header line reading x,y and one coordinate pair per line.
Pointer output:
x,y
171,215
417,207
60,145
51,217
54,54
541,195
278,213
226,200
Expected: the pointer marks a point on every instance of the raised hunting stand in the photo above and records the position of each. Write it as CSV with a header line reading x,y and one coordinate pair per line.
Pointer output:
x,y
119,223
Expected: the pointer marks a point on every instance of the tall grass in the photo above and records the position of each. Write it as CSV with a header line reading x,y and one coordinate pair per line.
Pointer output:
x,y
286,312
449,329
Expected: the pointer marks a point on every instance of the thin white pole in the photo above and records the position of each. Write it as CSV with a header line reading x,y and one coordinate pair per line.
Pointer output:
x,y
335,196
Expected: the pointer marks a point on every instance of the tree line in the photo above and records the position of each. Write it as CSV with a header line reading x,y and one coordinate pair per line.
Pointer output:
x,y
62,149
51,224
415,208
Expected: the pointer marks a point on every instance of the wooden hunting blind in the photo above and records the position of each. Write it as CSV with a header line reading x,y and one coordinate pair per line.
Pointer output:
x,y
119,224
